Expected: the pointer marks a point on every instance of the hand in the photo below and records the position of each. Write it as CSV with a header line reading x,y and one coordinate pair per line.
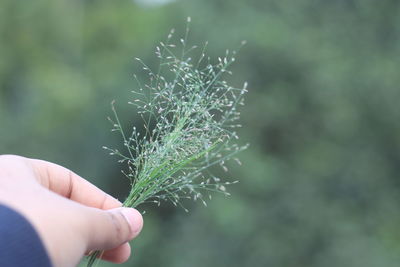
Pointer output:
x,y
71,215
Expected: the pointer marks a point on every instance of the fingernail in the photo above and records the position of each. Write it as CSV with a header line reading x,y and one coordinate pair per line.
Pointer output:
x,y
134,219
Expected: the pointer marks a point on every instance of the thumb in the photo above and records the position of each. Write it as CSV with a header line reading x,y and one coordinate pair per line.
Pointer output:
x,y
111,228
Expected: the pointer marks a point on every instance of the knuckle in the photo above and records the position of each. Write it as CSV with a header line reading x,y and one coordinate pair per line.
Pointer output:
x,y
120,225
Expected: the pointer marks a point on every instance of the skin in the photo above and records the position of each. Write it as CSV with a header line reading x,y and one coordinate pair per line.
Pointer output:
x,y
71,215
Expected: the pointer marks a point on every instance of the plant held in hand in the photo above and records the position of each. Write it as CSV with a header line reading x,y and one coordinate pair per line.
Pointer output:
x,y
189,116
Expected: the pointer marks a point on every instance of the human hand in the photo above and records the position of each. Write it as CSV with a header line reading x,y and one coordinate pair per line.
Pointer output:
x,y
71,215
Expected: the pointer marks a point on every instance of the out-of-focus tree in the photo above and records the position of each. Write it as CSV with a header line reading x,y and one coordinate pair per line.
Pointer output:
x,y
319,183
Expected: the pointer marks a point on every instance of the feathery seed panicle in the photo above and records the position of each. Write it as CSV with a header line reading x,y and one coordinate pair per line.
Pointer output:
x,y
189,114
189,123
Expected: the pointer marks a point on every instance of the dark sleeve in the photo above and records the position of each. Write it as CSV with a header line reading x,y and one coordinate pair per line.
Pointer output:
x,y
20,245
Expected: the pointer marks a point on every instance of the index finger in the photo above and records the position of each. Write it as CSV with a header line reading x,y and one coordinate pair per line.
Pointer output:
x,y
68,184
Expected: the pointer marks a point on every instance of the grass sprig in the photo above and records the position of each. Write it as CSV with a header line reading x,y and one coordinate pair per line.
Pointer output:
x,y
190,116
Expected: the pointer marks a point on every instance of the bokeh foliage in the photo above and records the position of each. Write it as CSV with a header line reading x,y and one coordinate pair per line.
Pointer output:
x,y
319,184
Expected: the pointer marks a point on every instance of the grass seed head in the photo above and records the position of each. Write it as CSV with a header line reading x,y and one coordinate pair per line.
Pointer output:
x,y
189,112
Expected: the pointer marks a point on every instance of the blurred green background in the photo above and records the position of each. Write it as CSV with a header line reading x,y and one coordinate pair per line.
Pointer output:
x,y
320,183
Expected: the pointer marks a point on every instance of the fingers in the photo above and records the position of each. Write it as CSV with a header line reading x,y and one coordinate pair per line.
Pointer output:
x,y
106,230
66,183
112,228
118,255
